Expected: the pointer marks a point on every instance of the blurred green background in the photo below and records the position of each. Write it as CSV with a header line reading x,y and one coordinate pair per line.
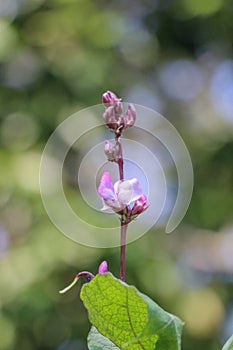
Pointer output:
x,y
59,56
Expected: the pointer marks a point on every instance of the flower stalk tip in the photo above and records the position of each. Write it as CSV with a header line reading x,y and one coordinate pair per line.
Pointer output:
x,y
69,286
88,276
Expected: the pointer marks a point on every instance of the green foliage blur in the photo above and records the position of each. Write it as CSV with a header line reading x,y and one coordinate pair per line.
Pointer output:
x,y
59,56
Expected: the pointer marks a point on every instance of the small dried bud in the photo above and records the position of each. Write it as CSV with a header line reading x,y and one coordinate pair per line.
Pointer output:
x,y
103,267
109,147
110,151
130,116
109,99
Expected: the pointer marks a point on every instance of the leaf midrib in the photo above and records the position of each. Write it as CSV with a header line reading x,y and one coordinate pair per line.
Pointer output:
x,y
130,322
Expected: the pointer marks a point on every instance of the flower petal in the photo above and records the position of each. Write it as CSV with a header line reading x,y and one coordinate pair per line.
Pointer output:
x,y
105,206
106,189
128,191
114,205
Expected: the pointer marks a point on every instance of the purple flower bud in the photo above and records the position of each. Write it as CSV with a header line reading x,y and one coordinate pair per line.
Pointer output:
x,y
140,205
110,118
109,99
130,116
103,267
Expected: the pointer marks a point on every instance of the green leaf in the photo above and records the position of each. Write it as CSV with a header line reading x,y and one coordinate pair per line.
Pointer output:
x,y
229,344
97,341
129,319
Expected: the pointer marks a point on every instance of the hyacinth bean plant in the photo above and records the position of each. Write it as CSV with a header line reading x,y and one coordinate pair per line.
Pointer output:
x,y
121,316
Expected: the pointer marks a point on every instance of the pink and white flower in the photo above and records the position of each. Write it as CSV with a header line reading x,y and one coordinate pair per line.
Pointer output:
x,y
122,195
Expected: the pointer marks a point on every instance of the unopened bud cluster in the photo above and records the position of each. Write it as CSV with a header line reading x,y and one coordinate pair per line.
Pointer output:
x,y
113,116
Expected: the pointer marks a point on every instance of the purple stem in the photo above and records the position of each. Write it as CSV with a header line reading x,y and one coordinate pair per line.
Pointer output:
x,y
124,225
120,159
120,165
123,250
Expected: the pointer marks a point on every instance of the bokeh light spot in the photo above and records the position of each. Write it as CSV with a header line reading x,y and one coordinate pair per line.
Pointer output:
x,y
221,91
8,39
4,239
7,333
27,171
200,7
8,8
138,47
22,70
181,79
202,311
19,131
